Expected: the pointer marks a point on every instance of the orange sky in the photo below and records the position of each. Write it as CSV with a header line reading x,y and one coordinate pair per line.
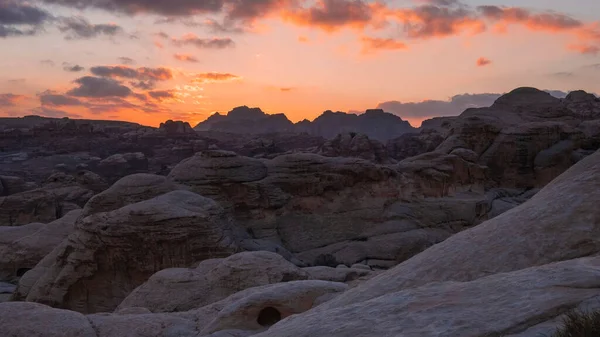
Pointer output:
x,y
149,61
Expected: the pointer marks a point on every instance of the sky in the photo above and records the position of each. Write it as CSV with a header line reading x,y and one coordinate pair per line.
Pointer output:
x,y
148,61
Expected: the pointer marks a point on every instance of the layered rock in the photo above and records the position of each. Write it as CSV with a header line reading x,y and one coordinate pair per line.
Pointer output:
x,y
354,145
111,253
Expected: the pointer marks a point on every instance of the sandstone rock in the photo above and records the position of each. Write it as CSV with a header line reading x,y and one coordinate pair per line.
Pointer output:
x,y
184,289
42,205
111,253
269,304
499,304
336,274
129,190
19,319
171,127
12,185
22,247
120,165
556,224
413,144
354,145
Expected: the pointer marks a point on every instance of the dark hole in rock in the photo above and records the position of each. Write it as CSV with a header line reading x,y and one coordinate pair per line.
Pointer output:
x,y
268,316
22,271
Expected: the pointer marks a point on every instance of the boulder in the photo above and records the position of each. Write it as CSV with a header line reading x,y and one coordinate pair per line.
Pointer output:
x,y
111,253
336,274
181,289
120,165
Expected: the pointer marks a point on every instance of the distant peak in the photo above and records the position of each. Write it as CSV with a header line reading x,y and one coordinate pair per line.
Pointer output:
x,y
244,112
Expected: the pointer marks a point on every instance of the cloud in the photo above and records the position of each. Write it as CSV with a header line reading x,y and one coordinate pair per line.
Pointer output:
x,y
214,78
482,62
429,108
90,86
547,21
78,27
585,49
141,74
203,43
10,99
211,24
49,98
163,95
370,44
17,81
287,89
72,68
21,19
332,15
126,60
49,63
186,58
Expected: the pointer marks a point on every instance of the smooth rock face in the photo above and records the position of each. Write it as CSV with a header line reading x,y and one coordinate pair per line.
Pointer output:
x,y
241,314
129,190
172,290
20,319
22,247
500,304
558,223
111,253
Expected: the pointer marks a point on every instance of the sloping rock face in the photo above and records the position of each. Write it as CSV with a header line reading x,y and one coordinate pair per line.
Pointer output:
x,y
311,204
413,144
527,137
172,290
111,253
497,305
558,223
22,247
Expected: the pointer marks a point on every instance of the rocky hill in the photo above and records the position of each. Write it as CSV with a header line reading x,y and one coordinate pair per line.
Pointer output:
x,y
376,124
477,225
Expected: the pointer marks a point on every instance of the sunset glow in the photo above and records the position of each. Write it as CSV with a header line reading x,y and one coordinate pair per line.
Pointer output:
x,y
149,61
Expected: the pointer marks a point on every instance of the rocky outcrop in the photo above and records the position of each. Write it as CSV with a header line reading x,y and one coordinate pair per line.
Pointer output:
x,y
111,253
374,123
22,247
413,144
129,190
44,204
354,145
172,290
171,127
558,223
120,165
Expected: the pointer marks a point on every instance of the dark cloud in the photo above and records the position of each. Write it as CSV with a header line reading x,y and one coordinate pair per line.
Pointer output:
x,y
455,106
143,85
142,74
58,100
213,25
90,86
49,63
78,27
10,99
126,60
72,68
203,43
161,95
332,15
445,3
550,21
20,13
429,21
21,19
